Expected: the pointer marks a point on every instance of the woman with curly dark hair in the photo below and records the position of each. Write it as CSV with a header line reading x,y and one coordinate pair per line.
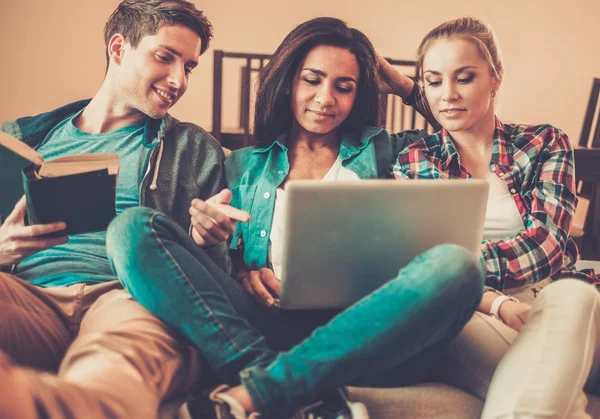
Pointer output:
x,y
316,118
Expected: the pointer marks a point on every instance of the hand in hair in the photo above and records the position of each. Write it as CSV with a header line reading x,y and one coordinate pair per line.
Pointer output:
x,y
214,220
391,81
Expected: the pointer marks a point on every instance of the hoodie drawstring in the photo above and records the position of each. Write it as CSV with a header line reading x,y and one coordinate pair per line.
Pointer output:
x,y
153,185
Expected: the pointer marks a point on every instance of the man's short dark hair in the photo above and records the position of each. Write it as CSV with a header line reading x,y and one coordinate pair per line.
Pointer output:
x,y
138,18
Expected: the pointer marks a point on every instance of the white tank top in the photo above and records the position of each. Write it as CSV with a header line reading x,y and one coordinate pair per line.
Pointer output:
x,y
502,218
336,172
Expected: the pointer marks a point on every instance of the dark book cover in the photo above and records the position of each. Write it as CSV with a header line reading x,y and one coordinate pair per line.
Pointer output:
x,y
84,201
79,190
11,183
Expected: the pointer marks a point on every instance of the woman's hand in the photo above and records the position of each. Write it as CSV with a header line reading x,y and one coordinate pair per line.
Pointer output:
x,y
514,314
391,81
262,284
214,220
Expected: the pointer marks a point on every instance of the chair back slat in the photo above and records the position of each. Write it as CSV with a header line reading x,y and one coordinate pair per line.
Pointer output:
x,y
217,93
591,121
587,173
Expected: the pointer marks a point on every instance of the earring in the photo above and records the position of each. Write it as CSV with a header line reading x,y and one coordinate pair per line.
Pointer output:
x,y
494,93
286,91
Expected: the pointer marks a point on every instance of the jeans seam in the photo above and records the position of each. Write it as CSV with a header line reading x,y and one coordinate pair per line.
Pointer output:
x,y
192,288
253,391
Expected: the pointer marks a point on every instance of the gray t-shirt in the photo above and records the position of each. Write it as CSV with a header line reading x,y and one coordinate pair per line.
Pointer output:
x,y
83,259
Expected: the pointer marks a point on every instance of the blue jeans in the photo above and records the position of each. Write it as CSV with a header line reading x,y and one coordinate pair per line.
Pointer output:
x,y
286,359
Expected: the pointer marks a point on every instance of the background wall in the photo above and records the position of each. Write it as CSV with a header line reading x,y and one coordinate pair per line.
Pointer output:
x,y
52,51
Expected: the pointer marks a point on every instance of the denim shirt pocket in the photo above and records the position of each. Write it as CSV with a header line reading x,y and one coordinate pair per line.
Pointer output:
x,y
242,197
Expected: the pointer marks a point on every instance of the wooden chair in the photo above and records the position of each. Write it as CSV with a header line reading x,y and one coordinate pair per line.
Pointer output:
x,y
398,116
241,135
587,172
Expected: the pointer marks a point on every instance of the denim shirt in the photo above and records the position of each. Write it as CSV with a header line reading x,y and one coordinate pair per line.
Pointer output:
x,y
253,175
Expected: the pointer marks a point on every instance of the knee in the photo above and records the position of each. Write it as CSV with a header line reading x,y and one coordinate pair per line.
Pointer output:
x,y
126,231
572,297
127,239
458,270
570,288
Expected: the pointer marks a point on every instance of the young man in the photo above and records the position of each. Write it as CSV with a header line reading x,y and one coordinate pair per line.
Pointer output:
x,y
73,343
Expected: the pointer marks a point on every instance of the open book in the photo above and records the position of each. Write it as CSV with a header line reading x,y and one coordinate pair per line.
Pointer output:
x,y
79,190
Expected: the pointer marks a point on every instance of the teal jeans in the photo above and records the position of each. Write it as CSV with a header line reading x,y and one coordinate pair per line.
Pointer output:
x,y
286,359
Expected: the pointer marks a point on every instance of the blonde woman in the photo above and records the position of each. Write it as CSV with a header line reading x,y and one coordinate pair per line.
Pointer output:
x,y
526,235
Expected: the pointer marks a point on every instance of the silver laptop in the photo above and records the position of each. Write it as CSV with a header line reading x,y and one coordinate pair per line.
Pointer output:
x,y
344,239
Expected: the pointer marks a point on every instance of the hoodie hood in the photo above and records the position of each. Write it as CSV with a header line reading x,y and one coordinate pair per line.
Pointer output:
x,y
33,129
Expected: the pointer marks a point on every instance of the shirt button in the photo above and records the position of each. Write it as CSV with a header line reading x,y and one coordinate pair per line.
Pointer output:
x,y
280,172
263,233
513,190
267,195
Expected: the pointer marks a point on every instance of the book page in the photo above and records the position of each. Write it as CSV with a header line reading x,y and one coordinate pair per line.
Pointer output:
x,y
82,163
20,148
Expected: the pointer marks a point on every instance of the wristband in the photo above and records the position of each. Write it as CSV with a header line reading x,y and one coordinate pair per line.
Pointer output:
x,y
411,99
497,303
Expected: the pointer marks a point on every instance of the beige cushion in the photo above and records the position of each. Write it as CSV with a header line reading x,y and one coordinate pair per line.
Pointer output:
x,y
429,400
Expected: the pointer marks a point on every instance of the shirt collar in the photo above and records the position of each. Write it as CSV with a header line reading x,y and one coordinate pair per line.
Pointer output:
x,y
502,153
279,142
351,143
448,150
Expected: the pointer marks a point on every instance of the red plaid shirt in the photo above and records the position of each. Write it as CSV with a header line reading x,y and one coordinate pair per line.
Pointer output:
x,y
536,162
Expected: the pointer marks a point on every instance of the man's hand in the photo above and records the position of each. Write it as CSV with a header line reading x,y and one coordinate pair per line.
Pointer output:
x,y
214,220
514,314
17,241
391,81
262,284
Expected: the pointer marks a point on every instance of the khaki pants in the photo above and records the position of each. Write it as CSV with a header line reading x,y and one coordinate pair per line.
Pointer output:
x,y
555,357
539,372
471,360
103,353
